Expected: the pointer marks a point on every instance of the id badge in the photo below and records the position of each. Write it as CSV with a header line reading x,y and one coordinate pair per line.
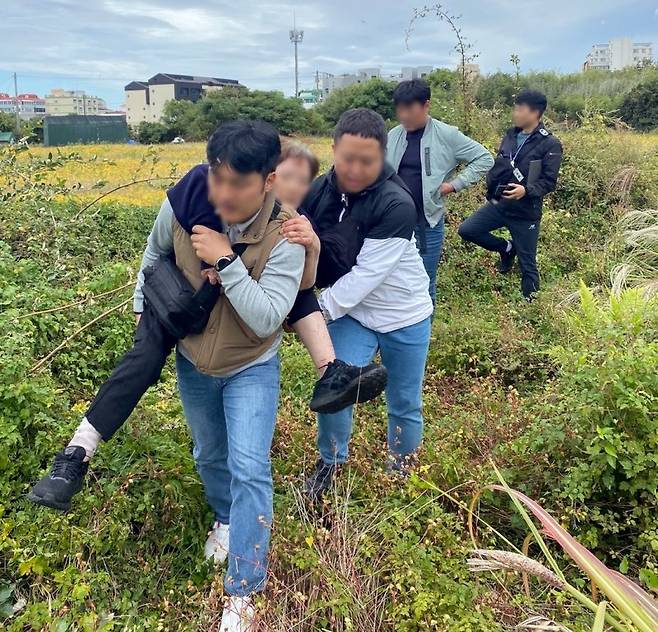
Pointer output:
x,y
517,174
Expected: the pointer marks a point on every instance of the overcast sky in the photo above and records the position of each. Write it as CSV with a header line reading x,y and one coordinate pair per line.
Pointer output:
x,y
100,45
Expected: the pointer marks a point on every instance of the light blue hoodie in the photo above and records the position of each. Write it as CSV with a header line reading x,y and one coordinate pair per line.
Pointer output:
x,y
442,148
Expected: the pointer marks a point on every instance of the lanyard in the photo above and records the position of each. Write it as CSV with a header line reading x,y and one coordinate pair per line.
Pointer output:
x,y
513,158
344,200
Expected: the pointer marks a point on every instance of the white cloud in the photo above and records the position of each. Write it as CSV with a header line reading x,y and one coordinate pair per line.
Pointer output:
x,y
121,40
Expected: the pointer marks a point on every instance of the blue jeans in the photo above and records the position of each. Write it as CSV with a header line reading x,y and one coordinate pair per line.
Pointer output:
x,y
232,422
432,256
403,352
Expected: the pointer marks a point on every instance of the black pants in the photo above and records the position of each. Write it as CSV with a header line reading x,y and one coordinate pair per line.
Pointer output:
x,y
141,367
138,369
525,233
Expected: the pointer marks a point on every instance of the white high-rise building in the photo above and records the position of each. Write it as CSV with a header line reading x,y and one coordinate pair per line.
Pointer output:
x,y
618,54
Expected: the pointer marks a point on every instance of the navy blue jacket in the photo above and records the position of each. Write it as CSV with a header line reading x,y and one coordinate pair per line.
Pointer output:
x,y
540,146
189,200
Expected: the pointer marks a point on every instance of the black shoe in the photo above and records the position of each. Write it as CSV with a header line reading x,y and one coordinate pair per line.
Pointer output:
x,y
64,481
321,480
506,260
344,384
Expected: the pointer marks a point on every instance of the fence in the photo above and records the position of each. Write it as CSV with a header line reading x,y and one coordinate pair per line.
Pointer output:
x,y
75,129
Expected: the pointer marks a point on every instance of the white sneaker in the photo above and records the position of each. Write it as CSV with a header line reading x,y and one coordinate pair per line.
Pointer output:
x,y
217,543
239,615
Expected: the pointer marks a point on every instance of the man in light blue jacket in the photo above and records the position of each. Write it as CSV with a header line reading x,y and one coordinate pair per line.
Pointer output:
x,y
425,153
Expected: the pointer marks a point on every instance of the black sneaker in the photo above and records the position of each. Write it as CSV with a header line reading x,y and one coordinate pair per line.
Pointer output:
x,y
321,479
344,384
506,260
66,477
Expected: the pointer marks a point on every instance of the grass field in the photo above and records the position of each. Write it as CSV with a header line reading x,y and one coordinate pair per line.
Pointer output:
x,y
561,394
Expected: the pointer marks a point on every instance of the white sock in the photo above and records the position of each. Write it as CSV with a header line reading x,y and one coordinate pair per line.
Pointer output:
x,y
509,246
87,437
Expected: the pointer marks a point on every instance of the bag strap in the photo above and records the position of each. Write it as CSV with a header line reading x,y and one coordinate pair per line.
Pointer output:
x,y
276,209
240,247
422,222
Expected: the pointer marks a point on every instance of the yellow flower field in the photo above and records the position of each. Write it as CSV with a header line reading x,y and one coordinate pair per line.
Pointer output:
x,y
103,167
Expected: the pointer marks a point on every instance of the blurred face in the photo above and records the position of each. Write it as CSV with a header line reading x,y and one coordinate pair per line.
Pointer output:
x,y
293,180
525,117
358,161
413,116
237,196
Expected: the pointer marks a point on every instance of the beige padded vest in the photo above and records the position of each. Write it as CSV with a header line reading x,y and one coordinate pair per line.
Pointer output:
x,y
227,343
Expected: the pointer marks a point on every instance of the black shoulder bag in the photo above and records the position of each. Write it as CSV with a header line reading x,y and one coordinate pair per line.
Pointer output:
x,y
180,308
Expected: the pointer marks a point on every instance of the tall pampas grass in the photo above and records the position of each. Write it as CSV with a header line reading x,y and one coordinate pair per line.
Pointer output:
x,y
639,268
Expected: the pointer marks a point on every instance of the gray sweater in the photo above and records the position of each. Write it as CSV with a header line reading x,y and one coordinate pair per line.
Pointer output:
x,y
263,305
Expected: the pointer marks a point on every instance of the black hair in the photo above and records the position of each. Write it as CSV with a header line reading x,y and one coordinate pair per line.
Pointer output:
x,y
534,99
412,91
246,146
362,122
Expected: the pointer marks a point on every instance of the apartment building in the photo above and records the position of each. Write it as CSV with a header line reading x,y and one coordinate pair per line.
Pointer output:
x,y
29,105
63,102
335,82
618,54
145,100
414,72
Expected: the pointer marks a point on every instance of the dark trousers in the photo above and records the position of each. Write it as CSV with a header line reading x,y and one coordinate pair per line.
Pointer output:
x,y
141,367
525,233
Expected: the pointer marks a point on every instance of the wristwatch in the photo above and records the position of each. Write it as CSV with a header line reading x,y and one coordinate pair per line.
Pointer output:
x,y
224,262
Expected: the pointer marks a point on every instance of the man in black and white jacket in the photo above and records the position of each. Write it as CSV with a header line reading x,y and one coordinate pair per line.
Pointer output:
x,y
376,289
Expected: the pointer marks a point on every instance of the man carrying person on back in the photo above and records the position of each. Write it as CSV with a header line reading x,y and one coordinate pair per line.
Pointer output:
x,y
526,169
192,200
425,152
228,369
376,296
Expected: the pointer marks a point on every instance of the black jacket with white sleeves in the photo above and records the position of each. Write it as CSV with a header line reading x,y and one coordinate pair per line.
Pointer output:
x,y
369,264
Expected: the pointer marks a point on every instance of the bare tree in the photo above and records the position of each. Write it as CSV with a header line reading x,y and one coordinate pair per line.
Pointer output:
x,y
464,49
515,60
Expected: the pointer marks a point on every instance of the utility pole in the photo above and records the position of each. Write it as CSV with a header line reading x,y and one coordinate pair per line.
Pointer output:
x,y
296,37
16,107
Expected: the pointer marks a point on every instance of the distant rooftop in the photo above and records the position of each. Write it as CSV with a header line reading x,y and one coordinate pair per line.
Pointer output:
x,y
168,77
21,97
196,79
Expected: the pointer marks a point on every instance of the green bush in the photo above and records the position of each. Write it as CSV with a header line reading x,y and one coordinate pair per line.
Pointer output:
x,y
196,121
563,398
596,433
150,132
375,94
640,106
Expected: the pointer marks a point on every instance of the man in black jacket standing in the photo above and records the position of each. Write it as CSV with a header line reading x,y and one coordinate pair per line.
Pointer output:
x,y
525,170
